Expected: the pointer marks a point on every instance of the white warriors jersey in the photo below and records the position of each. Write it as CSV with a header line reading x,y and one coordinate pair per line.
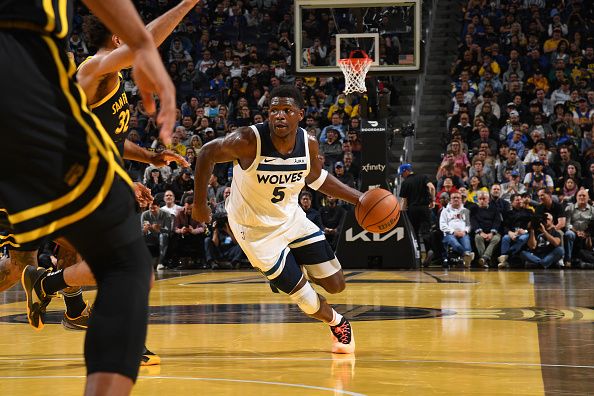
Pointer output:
x,y
267,193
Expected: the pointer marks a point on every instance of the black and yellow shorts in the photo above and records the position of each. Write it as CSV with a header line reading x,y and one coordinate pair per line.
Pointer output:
x,y
57,163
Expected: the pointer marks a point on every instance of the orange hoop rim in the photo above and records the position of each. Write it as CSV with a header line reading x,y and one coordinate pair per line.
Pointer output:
x,y
355,61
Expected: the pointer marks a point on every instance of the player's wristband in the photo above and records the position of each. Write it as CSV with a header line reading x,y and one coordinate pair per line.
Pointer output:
x,y
316,184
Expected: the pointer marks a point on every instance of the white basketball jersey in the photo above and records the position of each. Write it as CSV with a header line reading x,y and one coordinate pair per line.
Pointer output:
x,y
267,193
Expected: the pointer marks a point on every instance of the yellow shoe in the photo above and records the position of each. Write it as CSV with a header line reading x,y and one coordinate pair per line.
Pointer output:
x,y
149,358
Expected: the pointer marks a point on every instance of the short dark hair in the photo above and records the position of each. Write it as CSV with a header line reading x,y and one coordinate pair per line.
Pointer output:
x,y
189,200
96,33
305,193
288,91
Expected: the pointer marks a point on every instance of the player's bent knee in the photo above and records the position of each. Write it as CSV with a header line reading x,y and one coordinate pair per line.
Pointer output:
x,y
307,299
289,277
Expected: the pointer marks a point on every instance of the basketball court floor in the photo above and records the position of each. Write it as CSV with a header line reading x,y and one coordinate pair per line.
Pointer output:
x,y
426,332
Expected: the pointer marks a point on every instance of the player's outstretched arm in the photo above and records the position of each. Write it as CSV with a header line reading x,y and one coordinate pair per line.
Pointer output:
x,y
331,186
122,57
134,152
149,73
239,145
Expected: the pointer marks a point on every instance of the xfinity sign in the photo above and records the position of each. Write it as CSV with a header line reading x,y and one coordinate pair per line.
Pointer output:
x,y
373,167
365,235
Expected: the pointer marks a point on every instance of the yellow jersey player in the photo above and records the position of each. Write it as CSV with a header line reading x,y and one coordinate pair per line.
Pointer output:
x,y
66,176
100,79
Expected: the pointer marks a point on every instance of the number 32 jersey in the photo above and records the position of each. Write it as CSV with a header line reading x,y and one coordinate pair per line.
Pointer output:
x,y
267,193
114,113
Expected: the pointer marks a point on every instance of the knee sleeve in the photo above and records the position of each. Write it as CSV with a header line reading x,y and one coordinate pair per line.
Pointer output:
x,y
307,299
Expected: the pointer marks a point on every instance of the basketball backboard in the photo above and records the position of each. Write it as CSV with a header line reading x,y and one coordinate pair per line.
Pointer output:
x,y
388,31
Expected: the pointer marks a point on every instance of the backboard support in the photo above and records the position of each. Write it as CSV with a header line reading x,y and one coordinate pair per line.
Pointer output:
x,y
389,31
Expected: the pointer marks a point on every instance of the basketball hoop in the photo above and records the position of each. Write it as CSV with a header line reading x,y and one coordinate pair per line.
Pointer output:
x,y
355,70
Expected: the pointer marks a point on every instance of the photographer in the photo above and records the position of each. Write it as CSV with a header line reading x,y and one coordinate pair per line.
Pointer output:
x,y
544,242
222,246
579,216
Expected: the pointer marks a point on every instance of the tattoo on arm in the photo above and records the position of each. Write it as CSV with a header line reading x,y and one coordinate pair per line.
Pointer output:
x,y
66,257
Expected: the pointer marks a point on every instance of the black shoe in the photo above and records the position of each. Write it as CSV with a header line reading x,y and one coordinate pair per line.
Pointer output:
x,y
37,300
342,337
428,259
273,288
80,322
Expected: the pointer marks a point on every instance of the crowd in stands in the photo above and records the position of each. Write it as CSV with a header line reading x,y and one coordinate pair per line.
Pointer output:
x,y
225,58
516,183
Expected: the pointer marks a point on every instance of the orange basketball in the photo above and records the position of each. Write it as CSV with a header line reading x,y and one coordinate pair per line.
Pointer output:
x,y
377,211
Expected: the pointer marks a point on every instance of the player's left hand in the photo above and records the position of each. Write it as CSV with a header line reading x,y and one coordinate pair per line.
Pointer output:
x,y
166,156
143,195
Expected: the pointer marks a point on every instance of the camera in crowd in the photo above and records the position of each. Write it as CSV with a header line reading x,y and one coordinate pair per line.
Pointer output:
x,y
536,221
221,220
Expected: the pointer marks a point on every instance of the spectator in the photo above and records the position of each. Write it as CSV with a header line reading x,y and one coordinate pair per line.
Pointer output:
x,y
188,237
342,176
332,219
170,206
454,222
485,221
336,124
515,230
182,183
156,224
512,162
579,215
221,249
513,185
544,243
155,183
549,206
305,200
477,170
536,179
331,148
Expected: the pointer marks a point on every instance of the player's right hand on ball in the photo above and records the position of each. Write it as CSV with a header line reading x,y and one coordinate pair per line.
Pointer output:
x,y
201,213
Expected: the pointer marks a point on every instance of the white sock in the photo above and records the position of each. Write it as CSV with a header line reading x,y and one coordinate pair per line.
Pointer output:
x,y
336,318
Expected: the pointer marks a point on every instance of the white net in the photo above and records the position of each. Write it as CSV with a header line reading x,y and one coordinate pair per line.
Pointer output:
x,y
354,70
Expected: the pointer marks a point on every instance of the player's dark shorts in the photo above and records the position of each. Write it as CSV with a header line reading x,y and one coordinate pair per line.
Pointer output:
x,y
57,162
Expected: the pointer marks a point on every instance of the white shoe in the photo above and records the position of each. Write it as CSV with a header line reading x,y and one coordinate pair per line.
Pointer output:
x,y
502,265
343,339
468,257
160,267
502,258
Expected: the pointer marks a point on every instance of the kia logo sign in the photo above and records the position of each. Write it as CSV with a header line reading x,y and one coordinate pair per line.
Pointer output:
x,y
365,235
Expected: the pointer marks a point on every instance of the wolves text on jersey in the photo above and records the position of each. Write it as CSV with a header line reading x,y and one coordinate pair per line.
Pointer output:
x,y
279,179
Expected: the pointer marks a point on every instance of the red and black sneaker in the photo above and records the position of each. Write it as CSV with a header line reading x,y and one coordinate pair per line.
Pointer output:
x,y
343,337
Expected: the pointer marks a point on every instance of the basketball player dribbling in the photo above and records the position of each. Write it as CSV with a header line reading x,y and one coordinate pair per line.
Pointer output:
x,y
65,177
272,163
100,79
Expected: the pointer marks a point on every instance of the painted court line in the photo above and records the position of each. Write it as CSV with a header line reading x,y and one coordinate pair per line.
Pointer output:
x,y
187,358
334,390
